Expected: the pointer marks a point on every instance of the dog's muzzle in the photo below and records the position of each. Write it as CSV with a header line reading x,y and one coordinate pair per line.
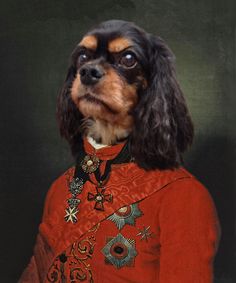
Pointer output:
x,y
91,74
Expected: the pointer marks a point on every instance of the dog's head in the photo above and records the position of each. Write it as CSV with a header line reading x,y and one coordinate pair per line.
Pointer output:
x,y
121,84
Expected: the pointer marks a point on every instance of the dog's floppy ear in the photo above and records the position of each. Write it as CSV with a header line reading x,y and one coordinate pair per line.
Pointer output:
x,y
68,116
162,125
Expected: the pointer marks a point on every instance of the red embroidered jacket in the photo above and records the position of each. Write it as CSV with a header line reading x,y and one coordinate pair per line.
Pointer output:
x,y
161,227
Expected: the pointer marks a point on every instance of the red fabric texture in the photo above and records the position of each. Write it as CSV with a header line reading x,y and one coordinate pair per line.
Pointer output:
x,y
177,210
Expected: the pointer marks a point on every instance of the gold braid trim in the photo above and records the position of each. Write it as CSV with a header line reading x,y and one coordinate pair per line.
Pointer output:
x,y
73,264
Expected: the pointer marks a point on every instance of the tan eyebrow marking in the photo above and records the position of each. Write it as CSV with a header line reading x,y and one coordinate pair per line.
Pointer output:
x,y
89,41
119,44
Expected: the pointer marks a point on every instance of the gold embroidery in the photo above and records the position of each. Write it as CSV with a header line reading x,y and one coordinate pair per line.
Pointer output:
x,y
73,264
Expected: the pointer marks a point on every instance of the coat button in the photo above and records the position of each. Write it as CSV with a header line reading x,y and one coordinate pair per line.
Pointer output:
x,y
63,258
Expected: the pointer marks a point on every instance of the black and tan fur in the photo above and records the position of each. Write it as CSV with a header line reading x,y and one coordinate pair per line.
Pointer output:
x,y
141,102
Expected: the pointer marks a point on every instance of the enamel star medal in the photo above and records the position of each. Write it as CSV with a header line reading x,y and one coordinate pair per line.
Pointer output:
x,y
126,215
120,251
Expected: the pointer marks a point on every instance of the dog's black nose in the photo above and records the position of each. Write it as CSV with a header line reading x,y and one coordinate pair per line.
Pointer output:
x,y
90,74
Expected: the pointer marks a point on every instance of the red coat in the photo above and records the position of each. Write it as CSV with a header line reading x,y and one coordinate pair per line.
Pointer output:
x,y
162,226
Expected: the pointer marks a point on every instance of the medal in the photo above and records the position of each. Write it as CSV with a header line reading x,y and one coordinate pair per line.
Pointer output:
x,y
87,165
100,197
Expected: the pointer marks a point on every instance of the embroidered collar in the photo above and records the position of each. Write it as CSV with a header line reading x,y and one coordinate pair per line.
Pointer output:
x,y
103,153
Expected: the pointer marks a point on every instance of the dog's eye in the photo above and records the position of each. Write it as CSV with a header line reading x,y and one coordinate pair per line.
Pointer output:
x,y
128,60
83,57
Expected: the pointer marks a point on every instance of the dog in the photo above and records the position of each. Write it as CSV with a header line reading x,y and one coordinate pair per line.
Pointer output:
x,y
128,211
121,84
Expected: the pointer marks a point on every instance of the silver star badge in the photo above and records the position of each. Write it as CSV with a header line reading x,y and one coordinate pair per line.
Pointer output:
x,y
126,215
120,251
145,233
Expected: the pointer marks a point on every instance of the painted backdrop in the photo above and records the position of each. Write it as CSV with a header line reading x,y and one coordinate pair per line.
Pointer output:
x,y
37,38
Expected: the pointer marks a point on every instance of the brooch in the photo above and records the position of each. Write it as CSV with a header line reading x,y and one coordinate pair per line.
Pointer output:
x,y
90,163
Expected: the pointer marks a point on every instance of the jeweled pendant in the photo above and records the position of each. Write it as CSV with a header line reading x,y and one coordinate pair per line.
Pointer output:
x,y
90,163
73,202
75,188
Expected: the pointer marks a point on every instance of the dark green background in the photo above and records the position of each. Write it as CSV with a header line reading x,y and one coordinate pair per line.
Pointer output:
x,y
37,38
